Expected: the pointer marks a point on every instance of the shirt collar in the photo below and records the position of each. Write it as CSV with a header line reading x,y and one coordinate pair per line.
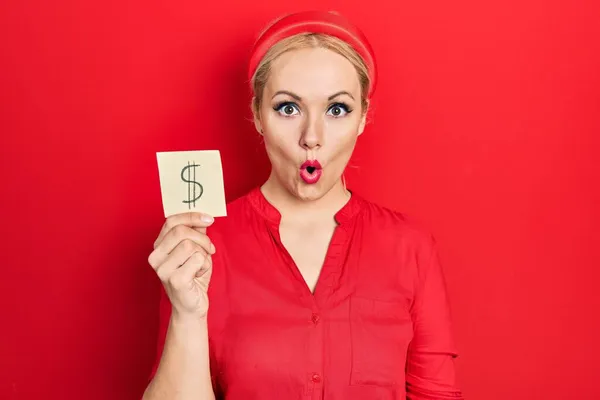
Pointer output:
x,y
269,212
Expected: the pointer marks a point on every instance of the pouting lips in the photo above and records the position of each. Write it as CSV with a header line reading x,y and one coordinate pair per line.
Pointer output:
x,y
311,166
311,171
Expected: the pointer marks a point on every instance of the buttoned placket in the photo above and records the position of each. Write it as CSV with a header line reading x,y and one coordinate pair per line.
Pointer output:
x,y
316,305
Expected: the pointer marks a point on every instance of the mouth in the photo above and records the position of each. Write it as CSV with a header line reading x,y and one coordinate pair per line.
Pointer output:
x,y
310,171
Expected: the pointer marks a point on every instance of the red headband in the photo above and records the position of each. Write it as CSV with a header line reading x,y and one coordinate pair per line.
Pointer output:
x,y
314,22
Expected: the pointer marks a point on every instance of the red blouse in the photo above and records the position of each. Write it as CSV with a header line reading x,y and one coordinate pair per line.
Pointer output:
x,y
376,327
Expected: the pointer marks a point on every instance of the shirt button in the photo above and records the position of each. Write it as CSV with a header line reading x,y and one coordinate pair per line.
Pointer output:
x,y
315,318
316,378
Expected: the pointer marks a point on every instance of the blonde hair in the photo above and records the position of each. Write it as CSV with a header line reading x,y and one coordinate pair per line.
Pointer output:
x,y
303,41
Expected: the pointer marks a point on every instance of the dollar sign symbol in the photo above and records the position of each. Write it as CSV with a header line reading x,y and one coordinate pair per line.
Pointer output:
x,y
191,184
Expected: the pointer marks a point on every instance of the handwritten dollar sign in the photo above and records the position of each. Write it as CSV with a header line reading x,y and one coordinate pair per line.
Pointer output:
x,y
193,194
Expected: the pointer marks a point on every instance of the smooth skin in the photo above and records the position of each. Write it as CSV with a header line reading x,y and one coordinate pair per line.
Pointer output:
x,y
310,109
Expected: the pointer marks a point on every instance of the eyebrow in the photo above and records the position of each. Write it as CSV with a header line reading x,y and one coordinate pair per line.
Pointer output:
x,y
294,95
333,96
298,98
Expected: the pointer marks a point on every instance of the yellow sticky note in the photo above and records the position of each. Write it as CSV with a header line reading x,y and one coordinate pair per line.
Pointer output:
x,y
192,181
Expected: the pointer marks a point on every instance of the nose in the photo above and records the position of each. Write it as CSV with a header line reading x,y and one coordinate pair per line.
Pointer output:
x,y
312,134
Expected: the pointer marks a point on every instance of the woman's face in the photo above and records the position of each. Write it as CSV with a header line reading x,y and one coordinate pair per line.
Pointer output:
x,y
310,117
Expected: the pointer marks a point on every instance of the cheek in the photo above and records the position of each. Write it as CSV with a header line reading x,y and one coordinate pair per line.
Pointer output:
x,y
281,135
280,144
342,134
275,149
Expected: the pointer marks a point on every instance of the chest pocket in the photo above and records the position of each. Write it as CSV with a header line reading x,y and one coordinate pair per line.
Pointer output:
x,y
380,333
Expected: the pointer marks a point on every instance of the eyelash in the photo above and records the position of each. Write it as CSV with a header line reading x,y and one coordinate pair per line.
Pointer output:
x,y
279,106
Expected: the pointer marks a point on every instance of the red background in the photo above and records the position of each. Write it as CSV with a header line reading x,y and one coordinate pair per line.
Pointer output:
x,y
485,120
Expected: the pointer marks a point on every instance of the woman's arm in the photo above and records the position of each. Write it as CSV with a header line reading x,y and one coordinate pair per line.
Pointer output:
x,y
430,366
182,371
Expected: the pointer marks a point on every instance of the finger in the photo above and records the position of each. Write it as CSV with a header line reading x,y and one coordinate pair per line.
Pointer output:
x,y
201,230
175,236
183,277
207,266
182,232
177,258
191,219
195,266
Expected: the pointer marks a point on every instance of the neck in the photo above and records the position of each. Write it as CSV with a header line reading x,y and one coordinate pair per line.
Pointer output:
x,y
291,207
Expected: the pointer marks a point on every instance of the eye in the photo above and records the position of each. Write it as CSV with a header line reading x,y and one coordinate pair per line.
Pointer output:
x,y
338,110
287,109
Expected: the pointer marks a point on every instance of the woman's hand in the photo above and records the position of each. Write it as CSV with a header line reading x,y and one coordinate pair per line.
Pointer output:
x,y
182,261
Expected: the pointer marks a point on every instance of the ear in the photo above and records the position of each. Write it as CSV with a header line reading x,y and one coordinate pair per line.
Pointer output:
x,y
258,125
363,118
256,115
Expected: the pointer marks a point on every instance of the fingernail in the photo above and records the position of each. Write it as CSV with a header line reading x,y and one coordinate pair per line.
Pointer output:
x,y
213,248
207,218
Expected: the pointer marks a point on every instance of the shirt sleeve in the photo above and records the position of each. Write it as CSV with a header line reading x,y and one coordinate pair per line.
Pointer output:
x,y
430,371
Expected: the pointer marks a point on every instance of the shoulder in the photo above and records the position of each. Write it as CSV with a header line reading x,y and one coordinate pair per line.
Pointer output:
x,y
400,238
395,225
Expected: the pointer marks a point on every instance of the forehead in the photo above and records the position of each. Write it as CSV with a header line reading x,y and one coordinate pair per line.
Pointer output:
x,y
313,72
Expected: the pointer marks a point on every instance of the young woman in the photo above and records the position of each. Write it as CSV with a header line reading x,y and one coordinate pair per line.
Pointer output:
x,y
315,292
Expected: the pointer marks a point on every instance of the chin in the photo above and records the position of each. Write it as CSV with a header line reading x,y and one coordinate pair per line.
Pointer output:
x,y
311,192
